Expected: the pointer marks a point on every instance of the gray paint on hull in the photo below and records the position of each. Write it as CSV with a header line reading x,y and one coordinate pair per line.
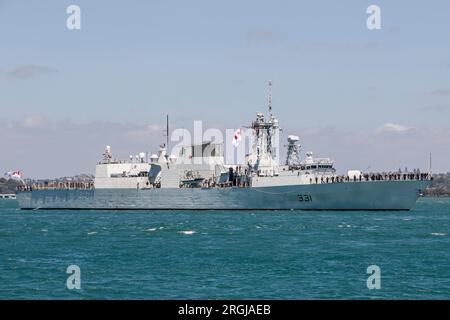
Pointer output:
x,y
375,195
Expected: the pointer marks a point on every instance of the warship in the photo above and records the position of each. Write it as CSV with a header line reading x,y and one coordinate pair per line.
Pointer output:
x,y
197,178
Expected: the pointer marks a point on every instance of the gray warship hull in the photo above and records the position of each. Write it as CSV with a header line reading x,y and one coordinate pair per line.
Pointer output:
x,y
368,195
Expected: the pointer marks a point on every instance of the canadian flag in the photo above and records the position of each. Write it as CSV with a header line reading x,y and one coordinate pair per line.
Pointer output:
x,y
17,175
237,137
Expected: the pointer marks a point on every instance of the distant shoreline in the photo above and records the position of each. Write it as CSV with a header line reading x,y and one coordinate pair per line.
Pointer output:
x,y
436,196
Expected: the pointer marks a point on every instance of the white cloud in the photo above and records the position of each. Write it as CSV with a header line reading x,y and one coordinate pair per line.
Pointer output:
x,y
360,149
43,147
435,108
145,132
394,127
34,121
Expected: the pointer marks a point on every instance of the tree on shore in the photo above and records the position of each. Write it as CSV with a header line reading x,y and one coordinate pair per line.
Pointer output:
x,y
9,185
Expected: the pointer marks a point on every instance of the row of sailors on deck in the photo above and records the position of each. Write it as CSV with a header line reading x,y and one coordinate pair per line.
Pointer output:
x,y
372,177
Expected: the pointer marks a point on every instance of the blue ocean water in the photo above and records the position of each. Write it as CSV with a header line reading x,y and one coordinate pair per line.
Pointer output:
x,y
226,254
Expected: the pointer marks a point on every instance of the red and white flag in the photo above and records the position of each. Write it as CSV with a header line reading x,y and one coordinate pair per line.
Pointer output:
x,y
16,175
237,137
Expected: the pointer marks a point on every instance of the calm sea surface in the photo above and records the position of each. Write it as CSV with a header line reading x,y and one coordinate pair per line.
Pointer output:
x,y
226,255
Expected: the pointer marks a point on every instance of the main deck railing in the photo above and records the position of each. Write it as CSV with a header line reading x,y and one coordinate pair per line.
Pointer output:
x,y
372,177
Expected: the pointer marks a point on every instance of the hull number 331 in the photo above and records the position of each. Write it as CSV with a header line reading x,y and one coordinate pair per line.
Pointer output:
x,y
304,197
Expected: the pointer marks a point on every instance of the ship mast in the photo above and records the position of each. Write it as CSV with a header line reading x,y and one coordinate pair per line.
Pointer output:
x,y
270,98
431,163
266,131
167,132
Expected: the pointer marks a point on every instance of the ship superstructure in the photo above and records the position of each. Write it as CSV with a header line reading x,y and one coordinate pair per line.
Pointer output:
x,y
112,173
203,165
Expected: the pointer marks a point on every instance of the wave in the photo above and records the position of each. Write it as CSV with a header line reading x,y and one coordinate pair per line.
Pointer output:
x,y
188,232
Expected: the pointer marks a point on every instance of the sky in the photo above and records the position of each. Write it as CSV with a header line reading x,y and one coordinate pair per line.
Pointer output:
x,y
376,99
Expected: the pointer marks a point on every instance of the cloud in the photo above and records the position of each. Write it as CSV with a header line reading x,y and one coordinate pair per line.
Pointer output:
x,y
393,127
29,71
347,45
145,132
257,37
34,121
362,148
440,92
435,108
44,147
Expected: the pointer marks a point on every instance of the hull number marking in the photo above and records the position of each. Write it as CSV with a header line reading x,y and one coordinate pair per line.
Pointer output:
x,y
304,197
